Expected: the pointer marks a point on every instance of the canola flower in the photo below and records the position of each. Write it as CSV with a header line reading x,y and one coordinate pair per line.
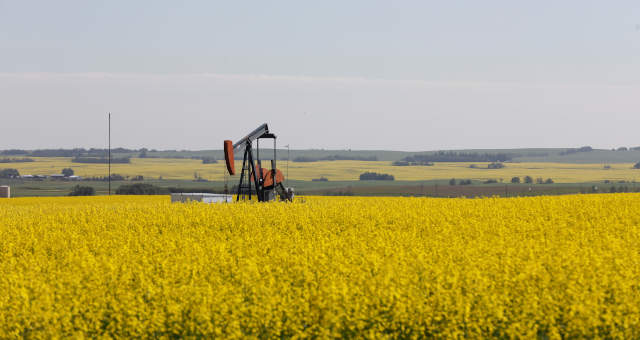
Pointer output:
x,y
546,267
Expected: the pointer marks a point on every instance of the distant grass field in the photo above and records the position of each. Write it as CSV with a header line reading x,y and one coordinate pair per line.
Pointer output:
x,y
186,169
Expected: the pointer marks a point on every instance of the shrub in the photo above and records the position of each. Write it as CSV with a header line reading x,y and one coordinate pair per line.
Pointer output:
x,y
490,181
636,166
548,181
495,165
209,160
515,180
452,181
465,182
81,190
321,179
528,179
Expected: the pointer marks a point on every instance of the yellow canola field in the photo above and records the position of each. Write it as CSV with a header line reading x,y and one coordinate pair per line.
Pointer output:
x,y
339,170
546,267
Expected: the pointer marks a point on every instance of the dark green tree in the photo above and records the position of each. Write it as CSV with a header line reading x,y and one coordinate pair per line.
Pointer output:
x,y
9,173
80,190
67,172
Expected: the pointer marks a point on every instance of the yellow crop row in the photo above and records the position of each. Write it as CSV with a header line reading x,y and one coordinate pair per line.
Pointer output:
x,y
341,170
545,267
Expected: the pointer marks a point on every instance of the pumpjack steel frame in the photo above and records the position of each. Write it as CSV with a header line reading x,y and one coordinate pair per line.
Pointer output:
x,y
252,170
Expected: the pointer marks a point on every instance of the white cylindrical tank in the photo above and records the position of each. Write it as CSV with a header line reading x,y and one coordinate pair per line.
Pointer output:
x,y
5,191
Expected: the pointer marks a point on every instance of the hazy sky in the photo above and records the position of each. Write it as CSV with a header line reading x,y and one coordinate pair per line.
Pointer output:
x,y
402,75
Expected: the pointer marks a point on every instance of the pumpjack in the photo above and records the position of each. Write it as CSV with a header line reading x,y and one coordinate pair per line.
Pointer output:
x,y
266,183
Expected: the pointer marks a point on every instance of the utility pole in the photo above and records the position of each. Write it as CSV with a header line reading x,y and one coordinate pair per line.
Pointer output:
x,y
288,156
109,154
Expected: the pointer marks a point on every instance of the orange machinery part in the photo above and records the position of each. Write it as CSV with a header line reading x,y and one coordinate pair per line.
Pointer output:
x,y
228,157
267,176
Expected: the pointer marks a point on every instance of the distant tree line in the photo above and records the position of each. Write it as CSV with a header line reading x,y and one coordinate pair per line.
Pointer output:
x,y
101,160
205,160
576,150
514,180
335,158
453,181
529,180
150,189
14,152
16,160
407,163
114,177
205,190
211,160
494,165
141,189
76,152
373,176
453,156
624,148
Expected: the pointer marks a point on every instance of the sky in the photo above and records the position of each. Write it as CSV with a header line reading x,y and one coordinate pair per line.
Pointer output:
x,y
392,75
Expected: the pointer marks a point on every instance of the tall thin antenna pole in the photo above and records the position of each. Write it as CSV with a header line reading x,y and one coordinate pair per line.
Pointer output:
x,y
109,154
